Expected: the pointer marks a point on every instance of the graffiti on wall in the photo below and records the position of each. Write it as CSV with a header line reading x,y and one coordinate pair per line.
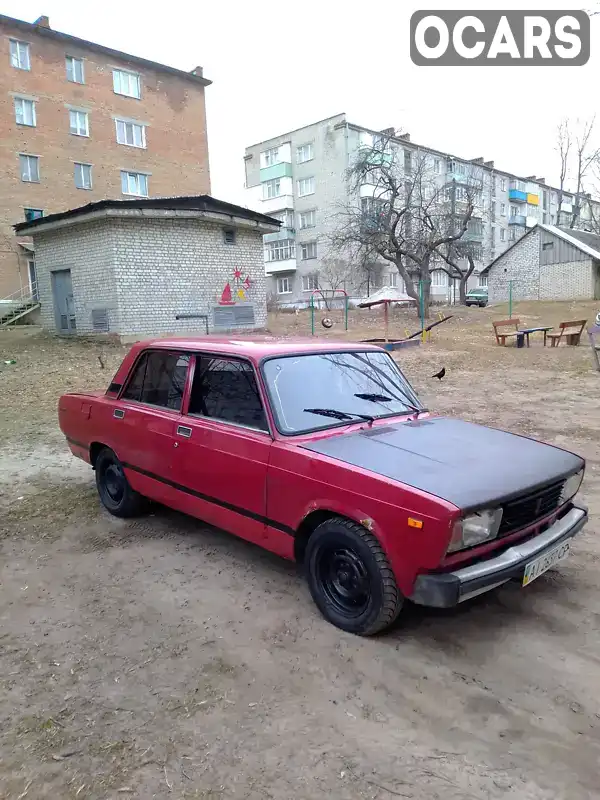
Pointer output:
x,y
236,290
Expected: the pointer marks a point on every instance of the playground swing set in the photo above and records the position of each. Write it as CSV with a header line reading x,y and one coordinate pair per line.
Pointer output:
x,y
384,297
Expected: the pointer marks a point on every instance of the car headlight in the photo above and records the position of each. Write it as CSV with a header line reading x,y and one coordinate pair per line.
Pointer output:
x,y
475,529
571,487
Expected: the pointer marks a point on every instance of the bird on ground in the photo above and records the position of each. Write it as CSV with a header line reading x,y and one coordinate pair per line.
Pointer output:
x,y
439,375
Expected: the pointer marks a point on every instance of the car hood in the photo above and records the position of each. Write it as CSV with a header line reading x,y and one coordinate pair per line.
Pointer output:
x,y
468,465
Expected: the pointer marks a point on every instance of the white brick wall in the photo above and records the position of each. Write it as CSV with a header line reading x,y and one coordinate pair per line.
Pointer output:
x,y
147,271
572,280
532,281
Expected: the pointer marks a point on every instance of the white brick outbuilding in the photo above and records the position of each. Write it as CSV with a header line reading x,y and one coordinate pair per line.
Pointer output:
x,y
151,267
548,263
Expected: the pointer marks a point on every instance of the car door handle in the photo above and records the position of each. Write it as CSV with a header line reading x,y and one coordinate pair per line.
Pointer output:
x,y
183,430
118,413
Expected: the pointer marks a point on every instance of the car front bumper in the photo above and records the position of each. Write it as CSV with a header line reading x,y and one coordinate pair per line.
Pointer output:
x,y
447,589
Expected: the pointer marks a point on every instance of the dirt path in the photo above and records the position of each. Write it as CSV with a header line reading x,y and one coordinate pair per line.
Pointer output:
x,y
162,659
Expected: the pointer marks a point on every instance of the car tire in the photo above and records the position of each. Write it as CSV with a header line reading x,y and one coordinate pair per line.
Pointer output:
x,y
116,495
350,578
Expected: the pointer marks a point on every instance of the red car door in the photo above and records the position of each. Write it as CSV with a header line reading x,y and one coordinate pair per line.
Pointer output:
x,y
222,446
145,420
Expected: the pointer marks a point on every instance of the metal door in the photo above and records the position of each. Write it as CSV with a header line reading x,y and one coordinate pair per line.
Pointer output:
x,y
64,309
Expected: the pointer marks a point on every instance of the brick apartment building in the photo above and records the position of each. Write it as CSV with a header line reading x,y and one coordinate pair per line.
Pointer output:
x,y
80,122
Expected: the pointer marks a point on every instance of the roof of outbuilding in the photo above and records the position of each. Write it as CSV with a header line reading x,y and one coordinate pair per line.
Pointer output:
x,y
201,202
585,241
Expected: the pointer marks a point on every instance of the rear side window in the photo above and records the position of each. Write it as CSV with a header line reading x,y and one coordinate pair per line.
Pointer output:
x,y
159,380
226,389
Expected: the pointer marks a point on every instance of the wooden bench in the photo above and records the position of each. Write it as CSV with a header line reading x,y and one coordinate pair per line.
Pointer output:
x,y
503,335
570,330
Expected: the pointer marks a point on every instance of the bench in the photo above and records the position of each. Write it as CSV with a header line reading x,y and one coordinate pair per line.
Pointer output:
x,y
570,330
595,331
503,335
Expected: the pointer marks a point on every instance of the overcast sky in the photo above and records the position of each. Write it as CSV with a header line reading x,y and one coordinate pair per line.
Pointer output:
x,y
279,66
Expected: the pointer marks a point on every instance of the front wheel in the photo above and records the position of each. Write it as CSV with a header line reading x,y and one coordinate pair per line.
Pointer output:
x,y
116,494
350,578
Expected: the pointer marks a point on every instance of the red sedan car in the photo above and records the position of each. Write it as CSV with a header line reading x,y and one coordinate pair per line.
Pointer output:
x,y
322,453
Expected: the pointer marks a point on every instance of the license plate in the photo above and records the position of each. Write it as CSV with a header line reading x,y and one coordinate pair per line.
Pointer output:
x,y
536,568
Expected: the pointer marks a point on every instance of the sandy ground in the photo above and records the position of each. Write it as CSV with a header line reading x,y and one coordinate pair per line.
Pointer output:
x,y
162,659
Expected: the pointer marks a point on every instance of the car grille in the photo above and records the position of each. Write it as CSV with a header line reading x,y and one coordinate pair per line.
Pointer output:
x,y
529,508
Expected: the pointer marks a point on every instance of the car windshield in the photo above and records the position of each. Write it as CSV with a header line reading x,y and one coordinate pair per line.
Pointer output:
x,y
367,383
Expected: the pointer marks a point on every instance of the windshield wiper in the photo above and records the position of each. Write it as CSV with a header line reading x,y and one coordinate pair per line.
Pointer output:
x,y
333,412
381,398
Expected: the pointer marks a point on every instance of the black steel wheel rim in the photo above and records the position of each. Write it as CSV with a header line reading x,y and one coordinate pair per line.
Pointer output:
x,y
344,580
114,482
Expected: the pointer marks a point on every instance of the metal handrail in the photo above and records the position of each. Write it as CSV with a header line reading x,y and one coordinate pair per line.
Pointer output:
x,y
22,295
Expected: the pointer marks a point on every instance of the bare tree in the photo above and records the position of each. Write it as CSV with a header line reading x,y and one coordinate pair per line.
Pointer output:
x,y
586,156
563,147
334,274
579,157
412,215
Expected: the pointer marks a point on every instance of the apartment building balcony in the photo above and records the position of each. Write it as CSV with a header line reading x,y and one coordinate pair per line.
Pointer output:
x,y
277,267
281,170
473,235
533,199
518,219
278,203
463,179
282,233
517,196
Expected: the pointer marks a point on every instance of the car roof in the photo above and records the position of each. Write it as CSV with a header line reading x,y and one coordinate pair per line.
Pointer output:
x,y
255,347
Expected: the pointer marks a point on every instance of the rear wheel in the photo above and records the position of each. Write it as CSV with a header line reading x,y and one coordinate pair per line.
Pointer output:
x,y
116,494
350,578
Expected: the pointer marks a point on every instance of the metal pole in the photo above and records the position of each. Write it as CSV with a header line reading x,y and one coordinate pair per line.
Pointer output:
x,y
510,283
422,310
312,315
346,312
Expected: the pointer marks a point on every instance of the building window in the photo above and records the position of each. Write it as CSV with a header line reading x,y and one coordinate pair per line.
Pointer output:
x,y
310,283
304,153
19,54
270,157
229,235
271,189
135,183
25,112
30,168
503,184
503,209
284,285
439,278
306,186
131,133
285,217
502,234
514,211
437,167
532,211
74,69
483,280
33,213
127,83
308,250
83,176
280,250
79,124
307,219
547,245
159,380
